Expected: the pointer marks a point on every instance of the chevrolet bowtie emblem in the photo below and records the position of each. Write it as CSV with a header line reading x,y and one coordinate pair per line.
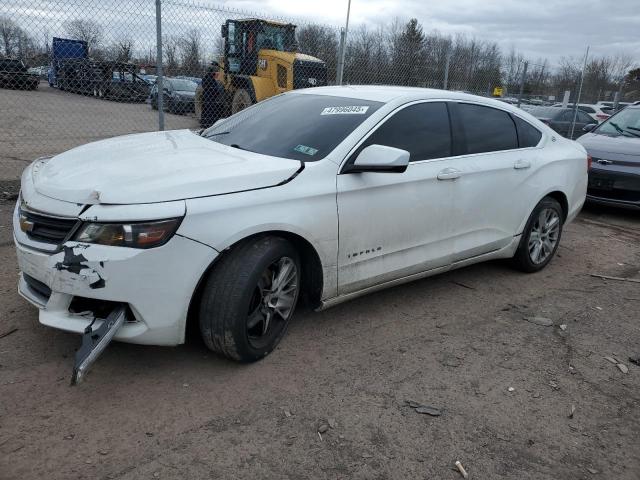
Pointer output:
x,y
602,161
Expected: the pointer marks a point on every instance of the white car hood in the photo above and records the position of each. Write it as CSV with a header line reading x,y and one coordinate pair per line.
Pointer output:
x,y
156,167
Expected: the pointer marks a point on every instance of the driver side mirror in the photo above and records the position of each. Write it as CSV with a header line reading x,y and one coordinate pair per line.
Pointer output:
x,y
589,126
379,158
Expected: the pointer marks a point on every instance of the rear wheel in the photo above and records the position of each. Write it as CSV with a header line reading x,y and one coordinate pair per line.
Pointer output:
x,y
249,299
241,100
541,236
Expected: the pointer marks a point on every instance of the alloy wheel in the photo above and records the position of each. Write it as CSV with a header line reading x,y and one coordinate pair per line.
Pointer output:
x,y
273,301
544,235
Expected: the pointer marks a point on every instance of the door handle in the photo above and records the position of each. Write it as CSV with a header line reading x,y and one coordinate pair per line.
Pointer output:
x,y
522,164
449,174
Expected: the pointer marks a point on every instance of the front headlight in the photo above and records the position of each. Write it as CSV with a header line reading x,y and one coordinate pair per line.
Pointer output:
x,y
134,235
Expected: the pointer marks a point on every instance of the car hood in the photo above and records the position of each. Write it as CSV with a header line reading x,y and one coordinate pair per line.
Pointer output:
x,y
186,93
156,167
602,144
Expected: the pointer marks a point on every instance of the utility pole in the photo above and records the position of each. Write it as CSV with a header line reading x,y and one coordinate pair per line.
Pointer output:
x,y
344,46
522,81
446,71
159,82
575,106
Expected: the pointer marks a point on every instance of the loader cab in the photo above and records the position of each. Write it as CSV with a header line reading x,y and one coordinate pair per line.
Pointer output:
x,y
243,40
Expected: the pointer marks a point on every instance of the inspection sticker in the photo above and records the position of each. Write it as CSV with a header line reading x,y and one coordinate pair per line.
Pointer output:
x,y
346,110
306,150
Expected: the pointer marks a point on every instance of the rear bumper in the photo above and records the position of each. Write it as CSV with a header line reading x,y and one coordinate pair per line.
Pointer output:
x,y
609,187
155,284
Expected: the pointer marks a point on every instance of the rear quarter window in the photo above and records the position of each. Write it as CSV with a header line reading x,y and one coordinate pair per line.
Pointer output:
x,y
528,135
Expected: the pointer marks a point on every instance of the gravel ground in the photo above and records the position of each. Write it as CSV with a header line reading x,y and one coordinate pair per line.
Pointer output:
x,y
458,342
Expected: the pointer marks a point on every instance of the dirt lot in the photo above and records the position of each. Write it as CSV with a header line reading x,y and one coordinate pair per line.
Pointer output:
x,y
458,342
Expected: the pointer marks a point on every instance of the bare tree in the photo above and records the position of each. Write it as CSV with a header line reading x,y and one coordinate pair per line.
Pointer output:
x,y
9,32
190,49
87,30
170,50
320,42
124,50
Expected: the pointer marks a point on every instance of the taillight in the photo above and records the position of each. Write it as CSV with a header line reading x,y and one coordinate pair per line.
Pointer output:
x,y
602,116
589,162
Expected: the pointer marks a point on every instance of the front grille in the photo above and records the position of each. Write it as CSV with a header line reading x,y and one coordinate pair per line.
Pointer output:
x,y
37,286
43,228
309,74
614,185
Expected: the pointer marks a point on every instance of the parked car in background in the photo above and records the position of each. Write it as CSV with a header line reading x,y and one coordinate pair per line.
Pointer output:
x,y
327,193
598,112
14,74
179,95
40,71
560,119
193,79
150,79
621,105
614,146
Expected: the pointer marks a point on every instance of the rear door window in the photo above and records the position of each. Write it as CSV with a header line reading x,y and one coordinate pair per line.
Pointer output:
x,y
487,129
422,129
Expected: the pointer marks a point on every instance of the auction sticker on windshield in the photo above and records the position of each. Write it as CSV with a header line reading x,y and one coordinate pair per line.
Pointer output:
x,y
306,150
346,110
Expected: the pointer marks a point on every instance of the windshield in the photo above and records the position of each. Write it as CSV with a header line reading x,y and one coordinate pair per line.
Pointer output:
x,y
296,126
626,123
183,85
273,38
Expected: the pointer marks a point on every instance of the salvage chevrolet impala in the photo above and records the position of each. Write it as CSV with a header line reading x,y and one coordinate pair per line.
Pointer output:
x,y
324,194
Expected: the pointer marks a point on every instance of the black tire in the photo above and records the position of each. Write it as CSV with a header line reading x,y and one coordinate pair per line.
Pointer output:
x,y
241,100
523,260
230,294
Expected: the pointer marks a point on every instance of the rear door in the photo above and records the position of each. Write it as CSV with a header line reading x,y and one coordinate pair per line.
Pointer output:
x,y
492,195
393,225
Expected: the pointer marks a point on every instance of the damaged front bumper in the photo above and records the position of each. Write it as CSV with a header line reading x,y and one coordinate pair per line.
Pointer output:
x,y
141,295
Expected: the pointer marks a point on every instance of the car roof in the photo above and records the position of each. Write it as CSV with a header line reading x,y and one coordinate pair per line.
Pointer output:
x,y
387,93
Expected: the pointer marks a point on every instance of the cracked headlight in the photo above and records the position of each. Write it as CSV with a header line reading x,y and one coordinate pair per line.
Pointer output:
x,y
134,235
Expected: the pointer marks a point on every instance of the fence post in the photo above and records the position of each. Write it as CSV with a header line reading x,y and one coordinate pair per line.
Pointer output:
x,y
575,106
340,59
159,82
344,45
447,64
522,81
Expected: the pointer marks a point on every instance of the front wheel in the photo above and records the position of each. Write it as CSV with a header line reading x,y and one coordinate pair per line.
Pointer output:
x,y
249,299
241,100
541,236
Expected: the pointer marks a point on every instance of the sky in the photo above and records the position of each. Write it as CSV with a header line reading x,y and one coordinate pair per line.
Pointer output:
x,y
549,29
538,28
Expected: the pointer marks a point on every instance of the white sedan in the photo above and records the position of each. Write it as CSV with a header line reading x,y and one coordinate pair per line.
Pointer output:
x,y
326,193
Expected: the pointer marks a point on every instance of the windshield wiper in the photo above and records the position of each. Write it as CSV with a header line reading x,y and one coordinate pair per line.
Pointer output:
x,y
235,145
216,134
616,126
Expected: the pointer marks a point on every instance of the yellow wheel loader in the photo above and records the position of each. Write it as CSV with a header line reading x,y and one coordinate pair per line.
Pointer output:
x,y
261,60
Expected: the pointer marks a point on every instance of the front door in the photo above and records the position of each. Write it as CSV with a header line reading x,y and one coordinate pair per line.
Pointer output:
x,y
392,225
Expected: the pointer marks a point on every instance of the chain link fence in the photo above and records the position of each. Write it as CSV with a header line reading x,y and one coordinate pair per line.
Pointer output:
x,y
74,71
